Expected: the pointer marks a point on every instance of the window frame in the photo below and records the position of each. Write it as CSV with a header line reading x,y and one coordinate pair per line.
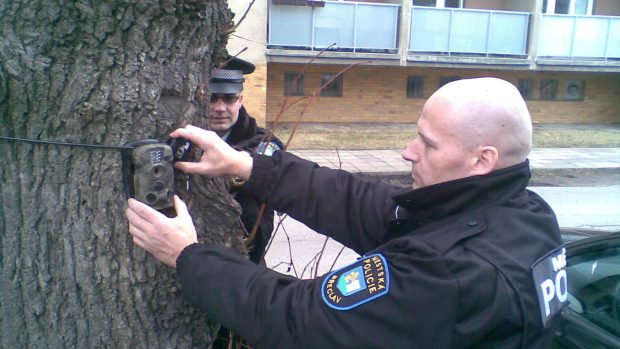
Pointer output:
x,y
549,7
446,79
574,82
333,89
526,88
544,83
440,4
415,81
289,78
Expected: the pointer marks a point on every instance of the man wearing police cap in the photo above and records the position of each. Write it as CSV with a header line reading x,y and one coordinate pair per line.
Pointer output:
x,y
230,120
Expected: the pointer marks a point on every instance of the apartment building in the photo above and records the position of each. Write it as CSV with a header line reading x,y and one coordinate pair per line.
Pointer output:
x,y
379,60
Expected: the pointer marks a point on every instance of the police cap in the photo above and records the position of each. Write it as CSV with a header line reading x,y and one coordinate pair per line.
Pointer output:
x,y
229,78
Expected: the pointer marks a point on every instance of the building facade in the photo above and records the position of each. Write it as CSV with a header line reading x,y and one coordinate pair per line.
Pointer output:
x,y
378,61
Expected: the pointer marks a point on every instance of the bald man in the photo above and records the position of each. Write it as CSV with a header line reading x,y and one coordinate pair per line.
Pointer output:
x,y
468,128
468,258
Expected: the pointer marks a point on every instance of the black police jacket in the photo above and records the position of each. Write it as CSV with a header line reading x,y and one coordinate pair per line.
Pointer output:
x,y
444,266
246,135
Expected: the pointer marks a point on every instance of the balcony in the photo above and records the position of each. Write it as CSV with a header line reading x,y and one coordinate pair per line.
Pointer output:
x,y
579,38
478,38
468,32
351,26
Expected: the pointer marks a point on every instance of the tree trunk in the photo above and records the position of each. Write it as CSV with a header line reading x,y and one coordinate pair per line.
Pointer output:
x,y
105,73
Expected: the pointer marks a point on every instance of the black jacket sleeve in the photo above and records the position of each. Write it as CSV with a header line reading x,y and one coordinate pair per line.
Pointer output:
x,y
335,203
273,311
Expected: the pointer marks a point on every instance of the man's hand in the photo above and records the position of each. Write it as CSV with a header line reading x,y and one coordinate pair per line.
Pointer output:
x,y
165,238
218,158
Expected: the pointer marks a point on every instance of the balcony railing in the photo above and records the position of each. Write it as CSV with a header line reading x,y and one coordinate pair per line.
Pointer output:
x,y
579,37
463,31
351,26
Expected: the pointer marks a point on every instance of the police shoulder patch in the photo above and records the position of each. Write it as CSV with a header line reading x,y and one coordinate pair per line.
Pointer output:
x,y
358,283
550,280
267,149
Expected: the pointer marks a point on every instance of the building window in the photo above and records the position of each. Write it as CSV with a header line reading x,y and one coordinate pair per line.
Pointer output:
x,y
415,86
439,3
453,3
334,88
446,79
429,3
526,87
293,84
548,89
568,7
574,90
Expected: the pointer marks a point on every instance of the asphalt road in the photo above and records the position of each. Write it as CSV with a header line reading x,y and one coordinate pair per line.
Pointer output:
x,y
568,177
581,198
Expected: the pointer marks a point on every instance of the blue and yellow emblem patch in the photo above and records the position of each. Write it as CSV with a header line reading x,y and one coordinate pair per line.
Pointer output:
x,y
267,149
356,284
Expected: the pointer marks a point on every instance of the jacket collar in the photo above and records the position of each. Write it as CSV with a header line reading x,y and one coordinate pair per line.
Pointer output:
x,y
449,198
243,129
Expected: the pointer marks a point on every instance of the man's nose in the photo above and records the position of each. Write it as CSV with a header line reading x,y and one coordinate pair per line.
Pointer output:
x,y
410,154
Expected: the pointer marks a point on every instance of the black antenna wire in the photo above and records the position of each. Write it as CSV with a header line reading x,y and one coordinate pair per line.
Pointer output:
x,y
27,140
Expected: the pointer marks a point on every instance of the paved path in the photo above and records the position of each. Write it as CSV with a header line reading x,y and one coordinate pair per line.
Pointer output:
x,y
390,161
297,250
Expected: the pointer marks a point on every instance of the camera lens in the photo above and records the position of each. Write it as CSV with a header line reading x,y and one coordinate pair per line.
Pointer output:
x,y
158,171
151,198
158,186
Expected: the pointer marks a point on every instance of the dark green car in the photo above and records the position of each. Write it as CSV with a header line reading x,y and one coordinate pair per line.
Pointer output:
x,y
592,318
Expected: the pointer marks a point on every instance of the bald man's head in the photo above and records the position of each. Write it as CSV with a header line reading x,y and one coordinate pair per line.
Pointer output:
x,y
486,112
469,128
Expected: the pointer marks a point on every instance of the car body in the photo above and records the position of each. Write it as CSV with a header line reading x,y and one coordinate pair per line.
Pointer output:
x,y
592,318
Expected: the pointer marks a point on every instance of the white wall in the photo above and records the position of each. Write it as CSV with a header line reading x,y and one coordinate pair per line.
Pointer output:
x,y
252,31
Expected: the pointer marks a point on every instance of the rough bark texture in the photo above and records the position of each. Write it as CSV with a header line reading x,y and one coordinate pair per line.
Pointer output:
x,y
98,72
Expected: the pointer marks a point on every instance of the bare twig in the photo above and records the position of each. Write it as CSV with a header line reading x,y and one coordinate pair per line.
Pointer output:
x,y
336,259
275,232
310,264
250,40
314,95
269,136
234,28
290,252
316,270
339,159
285,106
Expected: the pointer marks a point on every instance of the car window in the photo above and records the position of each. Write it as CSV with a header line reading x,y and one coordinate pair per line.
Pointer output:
x,y
594,287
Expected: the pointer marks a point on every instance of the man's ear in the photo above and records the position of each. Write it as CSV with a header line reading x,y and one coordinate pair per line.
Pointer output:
x,y
241,99
486,160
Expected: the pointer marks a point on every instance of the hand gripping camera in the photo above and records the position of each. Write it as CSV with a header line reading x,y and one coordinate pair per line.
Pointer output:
x,y
148,172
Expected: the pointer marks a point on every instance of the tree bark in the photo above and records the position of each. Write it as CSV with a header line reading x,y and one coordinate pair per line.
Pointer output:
x,y
105,73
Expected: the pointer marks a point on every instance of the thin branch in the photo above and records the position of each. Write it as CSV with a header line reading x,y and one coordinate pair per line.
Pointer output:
x,y
316,271
301,72
339,159
269,136
234,28
314,95
336,259
285,106
250,40
310,264
280,224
